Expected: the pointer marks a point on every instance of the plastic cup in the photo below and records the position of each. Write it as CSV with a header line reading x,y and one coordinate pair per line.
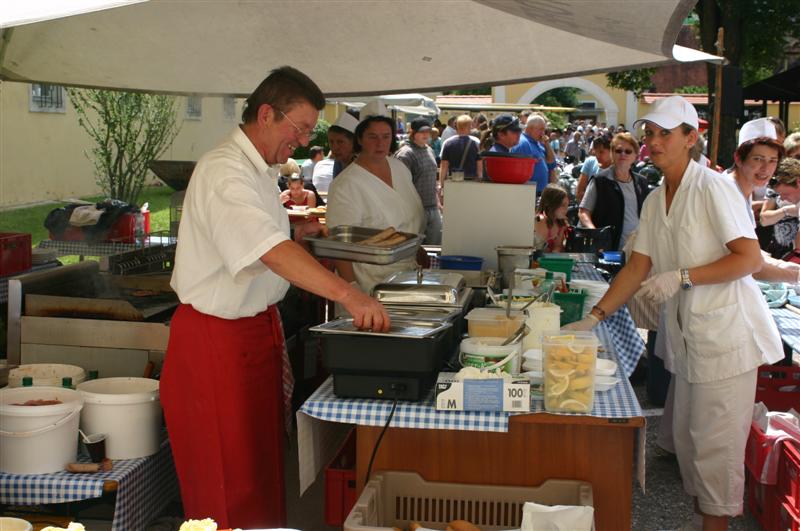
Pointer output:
x,y
96,445
457,176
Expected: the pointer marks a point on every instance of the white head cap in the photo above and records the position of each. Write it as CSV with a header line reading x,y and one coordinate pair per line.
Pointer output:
x,y
347,122
756,128
374,108
669,113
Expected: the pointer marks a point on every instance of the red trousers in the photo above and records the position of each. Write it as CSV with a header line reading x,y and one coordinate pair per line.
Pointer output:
x,y
222,398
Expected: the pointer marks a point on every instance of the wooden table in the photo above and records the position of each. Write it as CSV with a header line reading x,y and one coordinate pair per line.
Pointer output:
x,y
535,448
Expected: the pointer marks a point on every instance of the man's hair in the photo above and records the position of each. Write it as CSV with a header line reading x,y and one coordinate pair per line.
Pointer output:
x,y
788,172
780,129
313,151
281,89
464,122
366,122
792,142
744,150
603,141
451,121
534,119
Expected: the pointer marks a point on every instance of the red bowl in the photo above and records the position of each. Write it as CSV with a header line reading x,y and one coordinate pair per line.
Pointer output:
x,y
510,170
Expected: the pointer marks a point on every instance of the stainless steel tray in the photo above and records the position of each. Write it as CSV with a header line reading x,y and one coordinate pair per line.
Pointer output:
x,y
401,328
433,288
422,313
342,243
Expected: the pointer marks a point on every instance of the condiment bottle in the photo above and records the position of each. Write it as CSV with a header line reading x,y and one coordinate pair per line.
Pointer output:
x,y
66,382
27,381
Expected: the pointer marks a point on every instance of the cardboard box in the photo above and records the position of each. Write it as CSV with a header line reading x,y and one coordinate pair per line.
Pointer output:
x,y
496,394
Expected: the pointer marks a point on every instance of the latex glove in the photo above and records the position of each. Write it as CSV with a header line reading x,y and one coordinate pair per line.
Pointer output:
x,y
584,325
660,287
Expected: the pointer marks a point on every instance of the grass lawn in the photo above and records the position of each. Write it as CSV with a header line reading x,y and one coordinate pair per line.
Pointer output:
x,y
31,219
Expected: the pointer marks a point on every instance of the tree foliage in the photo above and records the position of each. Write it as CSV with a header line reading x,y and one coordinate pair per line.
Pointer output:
x,y
129,129
691,89
637,81
320,139
559,97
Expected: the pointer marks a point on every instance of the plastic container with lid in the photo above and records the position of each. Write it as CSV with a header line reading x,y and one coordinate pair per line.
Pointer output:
x,y
569,367
492,322
46,374
483,352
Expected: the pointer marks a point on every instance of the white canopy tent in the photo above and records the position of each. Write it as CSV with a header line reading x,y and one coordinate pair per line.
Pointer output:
x,y
349,47
408,103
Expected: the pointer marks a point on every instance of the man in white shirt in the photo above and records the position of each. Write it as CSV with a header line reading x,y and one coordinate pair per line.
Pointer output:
x,y
226,378
450,130
315,155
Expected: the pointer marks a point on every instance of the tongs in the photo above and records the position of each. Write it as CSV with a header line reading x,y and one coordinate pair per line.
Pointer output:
x,y
544,296
518,334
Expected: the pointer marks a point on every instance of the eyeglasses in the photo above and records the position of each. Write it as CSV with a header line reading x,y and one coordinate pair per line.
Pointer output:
x,y
773,182
620,151
308,134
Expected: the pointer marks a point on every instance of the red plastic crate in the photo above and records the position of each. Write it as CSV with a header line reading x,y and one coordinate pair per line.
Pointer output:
x,y
15,252
778,387
123,231
755,453
788,519
340,483
789,474
763,502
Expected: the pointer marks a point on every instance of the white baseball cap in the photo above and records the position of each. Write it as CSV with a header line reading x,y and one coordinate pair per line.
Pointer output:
x,y
757,128
669,113
347,121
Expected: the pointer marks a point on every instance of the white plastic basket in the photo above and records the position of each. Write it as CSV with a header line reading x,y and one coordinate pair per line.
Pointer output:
x,y
395,499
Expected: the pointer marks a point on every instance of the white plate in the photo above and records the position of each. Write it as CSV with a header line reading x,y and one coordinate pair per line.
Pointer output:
x,y
604,383
605,367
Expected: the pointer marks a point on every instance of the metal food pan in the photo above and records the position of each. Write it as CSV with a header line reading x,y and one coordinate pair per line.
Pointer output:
x,y
401,328
342,243
422,313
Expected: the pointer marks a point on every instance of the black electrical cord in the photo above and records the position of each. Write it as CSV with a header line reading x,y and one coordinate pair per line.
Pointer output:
x,y
378,442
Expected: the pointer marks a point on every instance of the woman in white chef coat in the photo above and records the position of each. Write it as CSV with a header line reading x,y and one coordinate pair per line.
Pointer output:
x,y
697,237
376,192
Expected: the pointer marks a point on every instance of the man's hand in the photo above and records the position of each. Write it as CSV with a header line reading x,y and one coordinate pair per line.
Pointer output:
x,y
584,325
311,228
368,314
659,288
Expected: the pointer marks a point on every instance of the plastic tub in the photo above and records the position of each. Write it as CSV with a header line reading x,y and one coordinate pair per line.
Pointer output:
x,y
46,374
14,524
395,499
492,322
510,170
569,367
128,411
484,352
572,305
38,439
459,262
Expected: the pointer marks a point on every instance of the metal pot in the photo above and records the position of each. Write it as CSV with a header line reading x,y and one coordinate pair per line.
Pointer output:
x,y
511,257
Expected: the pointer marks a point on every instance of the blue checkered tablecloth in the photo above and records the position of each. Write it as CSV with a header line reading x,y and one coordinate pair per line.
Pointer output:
x,y
628,344
619,402
789,326
145,486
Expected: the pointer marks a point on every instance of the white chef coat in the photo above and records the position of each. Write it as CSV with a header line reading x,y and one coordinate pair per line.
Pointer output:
x,y
357,197
714,331
322,176
232,215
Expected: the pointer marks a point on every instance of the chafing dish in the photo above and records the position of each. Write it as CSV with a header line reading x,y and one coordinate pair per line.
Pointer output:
x,y
422,313
342,243
400,328
425,288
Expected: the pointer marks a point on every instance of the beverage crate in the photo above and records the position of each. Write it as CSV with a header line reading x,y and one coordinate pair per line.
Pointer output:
x,y
763,502
789,474
340,482
756,451
571,304
395,499
778,387
15,252
788,519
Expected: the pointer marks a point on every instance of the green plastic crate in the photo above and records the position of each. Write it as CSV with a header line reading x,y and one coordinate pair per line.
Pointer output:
x,y
571,304
563,265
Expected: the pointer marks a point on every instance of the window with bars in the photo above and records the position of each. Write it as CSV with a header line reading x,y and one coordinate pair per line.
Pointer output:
x,y
47,98
194,108
229,107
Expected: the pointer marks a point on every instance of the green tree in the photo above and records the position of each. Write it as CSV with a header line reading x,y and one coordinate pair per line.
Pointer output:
x,y
636,81
320,139
691,89
129,130
559,97
478,91
756,35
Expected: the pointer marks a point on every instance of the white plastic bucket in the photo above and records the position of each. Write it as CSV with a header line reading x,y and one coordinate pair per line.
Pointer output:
x,y
46,374
483,352
127,410
14,524
38,439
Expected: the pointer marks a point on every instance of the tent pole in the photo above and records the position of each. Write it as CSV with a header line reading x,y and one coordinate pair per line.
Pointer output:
x,y
717,100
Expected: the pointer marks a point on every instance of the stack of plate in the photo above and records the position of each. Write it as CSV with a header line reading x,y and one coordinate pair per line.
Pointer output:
x,y
595,290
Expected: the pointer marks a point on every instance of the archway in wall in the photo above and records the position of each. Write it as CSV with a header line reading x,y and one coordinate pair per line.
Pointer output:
x,y
610,106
